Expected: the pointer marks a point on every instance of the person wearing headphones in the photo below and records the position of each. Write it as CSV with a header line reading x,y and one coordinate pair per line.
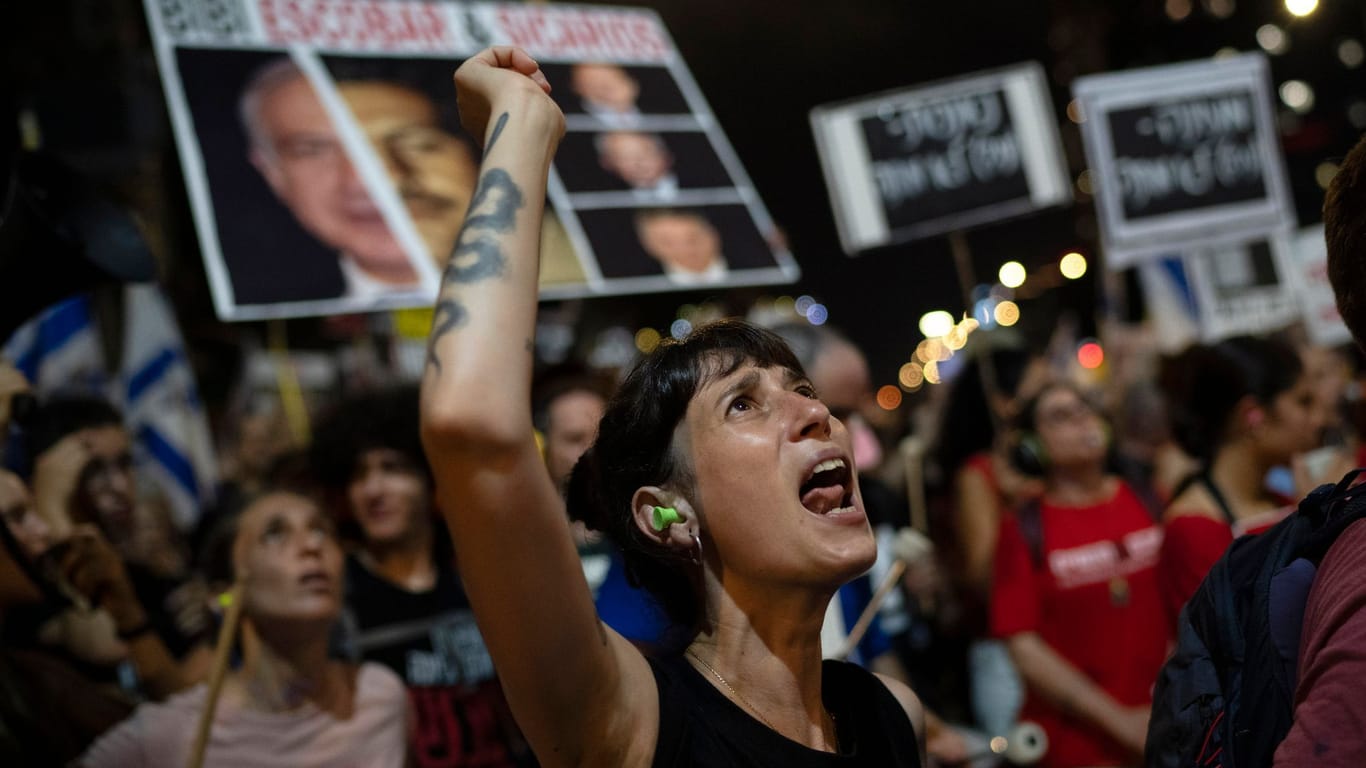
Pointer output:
x,y
719,472
1074,590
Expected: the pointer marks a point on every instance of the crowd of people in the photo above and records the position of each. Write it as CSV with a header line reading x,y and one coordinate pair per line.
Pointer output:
x,y
674,564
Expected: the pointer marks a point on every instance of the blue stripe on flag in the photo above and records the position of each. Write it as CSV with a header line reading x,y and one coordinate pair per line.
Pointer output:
x,y
150,373
171,458
55,329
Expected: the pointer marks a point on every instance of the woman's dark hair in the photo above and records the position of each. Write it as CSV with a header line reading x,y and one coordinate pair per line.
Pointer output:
x,y
968,428
1204,384
386,419
634,448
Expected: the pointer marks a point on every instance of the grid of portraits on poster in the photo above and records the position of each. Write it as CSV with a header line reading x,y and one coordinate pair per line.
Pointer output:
x,y
328,172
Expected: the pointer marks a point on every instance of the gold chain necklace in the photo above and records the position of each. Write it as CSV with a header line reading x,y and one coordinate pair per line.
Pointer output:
x,y
753,709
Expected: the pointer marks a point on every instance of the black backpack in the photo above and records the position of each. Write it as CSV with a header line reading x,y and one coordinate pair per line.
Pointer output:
x,y
1225,698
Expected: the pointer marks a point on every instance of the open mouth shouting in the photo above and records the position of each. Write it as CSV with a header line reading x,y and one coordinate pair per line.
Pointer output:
x,y
828,490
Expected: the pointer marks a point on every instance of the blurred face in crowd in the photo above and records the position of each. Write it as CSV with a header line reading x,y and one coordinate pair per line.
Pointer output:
x,y
572,424
1291,422
1071,431
389,497
108,489
305,164
639,159
840,375
287,555
27,527
605,86
682,242
433,170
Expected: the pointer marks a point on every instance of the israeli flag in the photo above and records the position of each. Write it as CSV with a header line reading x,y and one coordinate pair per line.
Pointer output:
x,y
61,354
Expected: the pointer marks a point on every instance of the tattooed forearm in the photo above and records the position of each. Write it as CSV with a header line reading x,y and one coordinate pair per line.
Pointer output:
x,y
497,131
478,253
448,315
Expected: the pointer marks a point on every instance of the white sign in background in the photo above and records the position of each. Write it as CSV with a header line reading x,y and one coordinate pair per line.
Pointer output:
x,y
1309,254
962,152
1184,156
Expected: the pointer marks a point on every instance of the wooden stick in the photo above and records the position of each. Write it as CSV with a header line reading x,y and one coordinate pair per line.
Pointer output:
x,y
232,616
861,626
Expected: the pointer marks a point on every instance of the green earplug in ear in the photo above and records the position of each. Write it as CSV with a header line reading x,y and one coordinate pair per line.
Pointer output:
x,y
663,517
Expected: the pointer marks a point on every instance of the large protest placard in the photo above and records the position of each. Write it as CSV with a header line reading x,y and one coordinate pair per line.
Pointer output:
x,y
1183,156
328,173
914,163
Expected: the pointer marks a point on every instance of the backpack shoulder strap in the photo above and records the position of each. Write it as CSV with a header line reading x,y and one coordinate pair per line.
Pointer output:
x,y
1202,477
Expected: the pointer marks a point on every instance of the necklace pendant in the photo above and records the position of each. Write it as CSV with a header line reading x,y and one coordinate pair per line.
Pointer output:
x,y
1119,591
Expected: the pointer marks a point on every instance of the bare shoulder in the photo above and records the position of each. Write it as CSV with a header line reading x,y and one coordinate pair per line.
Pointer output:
x,y
908,700
914,710
1195,501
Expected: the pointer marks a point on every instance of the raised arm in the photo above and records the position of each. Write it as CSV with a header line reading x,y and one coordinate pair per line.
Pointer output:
x,y
580,692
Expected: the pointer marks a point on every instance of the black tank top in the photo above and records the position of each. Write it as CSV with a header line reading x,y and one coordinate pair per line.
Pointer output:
x,y
699,726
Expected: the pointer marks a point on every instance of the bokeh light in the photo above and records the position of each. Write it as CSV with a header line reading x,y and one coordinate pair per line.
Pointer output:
x,y
1324,173
1301,7
1090,355
1007,314
889,398
1072,266
1178,10
680,328
932,372
983,312
1272,39
803,305
1297,95
936,323
1351,54
1012,274
646,340
817,314
911,376
1085,185
1220,9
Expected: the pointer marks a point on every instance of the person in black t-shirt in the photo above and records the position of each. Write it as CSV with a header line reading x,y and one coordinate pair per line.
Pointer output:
x,y
405,607
727,482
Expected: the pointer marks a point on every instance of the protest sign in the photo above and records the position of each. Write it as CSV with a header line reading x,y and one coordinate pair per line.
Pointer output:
x,y
1246,288
327,171
915,163
1183,156
1217,292
1309,258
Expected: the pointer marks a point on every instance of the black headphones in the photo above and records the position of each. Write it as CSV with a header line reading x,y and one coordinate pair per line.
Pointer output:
x,y
1027,452
1028,455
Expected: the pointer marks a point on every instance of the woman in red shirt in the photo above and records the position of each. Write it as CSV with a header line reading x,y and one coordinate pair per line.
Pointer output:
x,y
1075,591
1240,407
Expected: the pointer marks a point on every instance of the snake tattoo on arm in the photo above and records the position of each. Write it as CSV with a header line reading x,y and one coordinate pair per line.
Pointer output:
x,y
478,253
